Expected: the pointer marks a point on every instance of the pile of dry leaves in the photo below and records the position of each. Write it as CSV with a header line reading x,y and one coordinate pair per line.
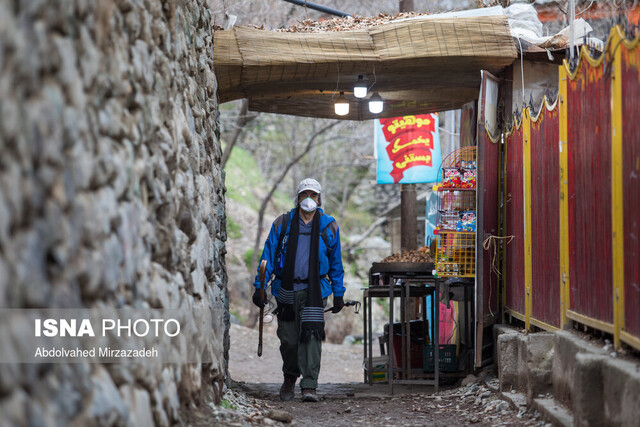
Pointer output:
x,y
346,24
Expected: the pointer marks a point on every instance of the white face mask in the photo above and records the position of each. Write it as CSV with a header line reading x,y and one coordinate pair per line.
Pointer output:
x,y
308,205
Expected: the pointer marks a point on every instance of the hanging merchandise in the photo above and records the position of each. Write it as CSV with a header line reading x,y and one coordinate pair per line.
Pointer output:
x,y
457,219
452,178
467,222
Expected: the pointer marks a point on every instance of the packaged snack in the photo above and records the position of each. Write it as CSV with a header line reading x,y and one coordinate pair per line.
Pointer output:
x,y
449,220
468,179
467,221
452,178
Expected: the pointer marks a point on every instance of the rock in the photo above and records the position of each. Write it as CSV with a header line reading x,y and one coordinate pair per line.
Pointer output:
x,y
279,415
14,408
106,406
10,368
69,72
113,256
160,417
170,399
89,58
5,281
139,404
469,379
503,406
29,263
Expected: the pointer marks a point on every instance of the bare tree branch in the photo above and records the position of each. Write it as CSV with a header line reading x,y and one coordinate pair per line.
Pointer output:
x,y
352,246
241,122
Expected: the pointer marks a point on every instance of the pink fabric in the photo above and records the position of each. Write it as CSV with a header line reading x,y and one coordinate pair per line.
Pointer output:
x,y
447,323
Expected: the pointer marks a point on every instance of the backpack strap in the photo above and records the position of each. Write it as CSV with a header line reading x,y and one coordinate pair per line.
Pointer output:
x,y
333,226
284,220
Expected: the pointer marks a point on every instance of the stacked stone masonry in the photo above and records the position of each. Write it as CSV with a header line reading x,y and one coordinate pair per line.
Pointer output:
x,y
111,195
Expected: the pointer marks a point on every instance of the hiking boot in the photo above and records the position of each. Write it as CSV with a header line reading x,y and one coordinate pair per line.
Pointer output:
x,y
309,395
287,390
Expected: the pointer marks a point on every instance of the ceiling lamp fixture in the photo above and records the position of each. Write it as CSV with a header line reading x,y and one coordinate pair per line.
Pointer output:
x,y
342,105
360,88
376,104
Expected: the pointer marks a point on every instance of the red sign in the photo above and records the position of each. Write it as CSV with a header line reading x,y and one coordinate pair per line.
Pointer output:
x,y
410,141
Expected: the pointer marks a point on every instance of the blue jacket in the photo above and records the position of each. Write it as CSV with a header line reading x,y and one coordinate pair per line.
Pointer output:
x,y
331,271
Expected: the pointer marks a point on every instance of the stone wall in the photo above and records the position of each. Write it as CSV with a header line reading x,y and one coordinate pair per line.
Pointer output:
x,y
111,194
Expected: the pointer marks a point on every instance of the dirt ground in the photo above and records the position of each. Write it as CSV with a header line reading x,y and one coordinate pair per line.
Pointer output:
x,y
345,400
340,363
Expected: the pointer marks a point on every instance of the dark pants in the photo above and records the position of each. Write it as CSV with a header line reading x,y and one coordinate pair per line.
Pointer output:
x,y
300,358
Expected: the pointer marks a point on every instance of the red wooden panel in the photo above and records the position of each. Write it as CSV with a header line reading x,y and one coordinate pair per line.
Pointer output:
x,y
589,186
490,194
631,187
545,217
514,199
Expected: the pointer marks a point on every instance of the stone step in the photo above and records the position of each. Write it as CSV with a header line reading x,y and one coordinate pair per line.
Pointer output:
x,y
553,412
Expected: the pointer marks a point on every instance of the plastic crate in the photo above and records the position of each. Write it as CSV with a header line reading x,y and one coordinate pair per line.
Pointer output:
x,y
447,356
380,367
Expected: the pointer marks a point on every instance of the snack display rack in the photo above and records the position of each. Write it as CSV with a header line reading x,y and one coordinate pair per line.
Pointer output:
x,y
456,215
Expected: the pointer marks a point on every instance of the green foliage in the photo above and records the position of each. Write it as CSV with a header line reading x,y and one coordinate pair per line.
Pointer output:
x,y
243,174
353,268
247,258
237,315
234,231
356,219
357,341
243,177
228,405
384,304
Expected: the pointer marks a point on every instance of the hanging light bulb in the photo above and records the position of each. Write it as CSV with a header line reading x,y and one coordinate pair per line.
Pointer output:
x,y
360,88
376,104
342,105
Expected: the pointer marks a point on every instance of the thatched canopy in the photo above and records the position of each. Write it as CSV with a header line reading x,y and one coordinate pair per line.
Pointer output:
x,y
417,65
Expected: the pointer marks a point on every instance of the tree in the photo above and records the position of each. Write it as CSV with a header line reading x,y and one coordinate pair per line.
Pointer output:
x,y
243,118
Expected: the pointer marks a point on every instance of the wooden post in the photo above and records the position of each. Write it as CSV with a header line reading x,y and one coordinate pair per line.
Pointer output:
x,y
563,147
617,187
408,217
406,6
528,267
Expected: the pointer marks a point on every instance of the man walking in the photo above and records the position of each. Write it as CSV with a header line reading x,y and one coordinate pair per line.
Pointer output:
x,y
303,253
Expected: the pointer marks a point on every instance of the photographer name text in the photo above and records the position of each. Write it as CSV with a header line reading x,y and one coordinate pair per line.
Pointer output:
x,y
103,352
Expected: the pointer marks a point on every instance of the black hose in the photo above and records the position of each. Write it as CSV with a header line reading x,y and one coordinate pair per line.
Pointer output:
x,y
318,7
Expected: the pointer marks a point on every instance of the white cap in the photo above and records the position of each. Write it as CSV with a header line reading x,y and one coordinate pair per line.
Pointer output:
x,y
309,184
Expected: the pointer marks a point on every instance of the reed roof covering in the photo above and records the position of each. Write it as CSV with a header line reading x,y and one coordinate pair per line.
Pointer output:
x,y
418,65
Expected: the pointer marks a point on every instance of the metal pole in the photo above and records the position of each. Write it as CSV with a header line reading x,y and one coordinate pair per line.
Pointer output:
x,y
403,330
318,7
436,338
390,338
572,17
368,374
